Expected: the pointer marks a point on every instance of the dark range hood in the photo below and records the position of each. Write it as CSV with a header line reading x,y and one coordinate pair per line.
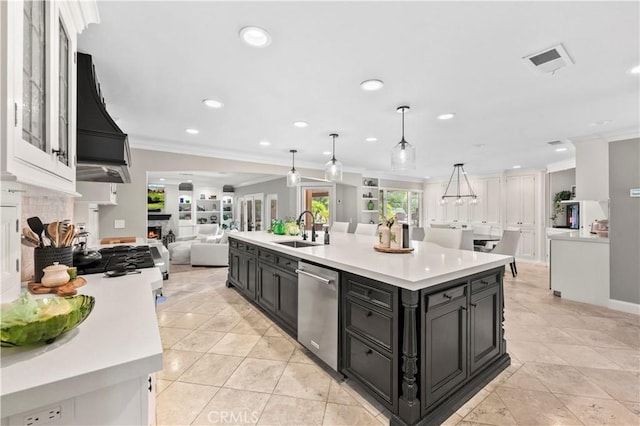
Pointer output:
x,y
102,148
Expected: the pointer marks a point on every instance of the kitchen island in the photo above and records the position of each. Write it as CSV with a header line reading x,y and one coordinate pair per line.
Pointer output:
x,y
97,373
421,332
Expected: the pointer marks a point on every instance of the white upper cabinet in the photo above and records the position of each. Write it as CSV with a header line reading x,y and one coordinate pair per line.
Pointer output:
x,y
435,212
39,76
521,200
487,209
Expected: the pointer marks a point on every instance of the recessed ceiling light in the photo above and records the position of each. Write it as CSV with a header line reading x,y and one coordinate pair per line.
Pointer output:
x,y
300,124
190,181
326,153
600,123
635,70
372,85
255,36
265,143
371,139
161,179
427,177
212,103
447,116
192,131
561,149
516,167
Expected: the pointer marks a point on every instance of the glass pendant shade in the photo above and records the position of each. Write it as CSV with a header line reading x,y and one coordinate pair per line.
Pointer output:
x,y
403,155
333,168
293,177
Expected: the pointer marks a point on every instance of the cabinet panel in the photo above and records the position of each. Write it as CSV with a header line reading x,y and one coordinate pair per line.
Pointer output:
x,y
369,365
493,201
435,211
250,283
514,202
287,298
369,323
528,196
266,289
484,326
527,244
234,266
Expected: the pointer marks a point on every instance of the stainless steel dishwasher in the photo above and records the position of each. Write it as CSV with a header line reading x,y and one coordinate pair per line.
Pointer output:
x,y
318,311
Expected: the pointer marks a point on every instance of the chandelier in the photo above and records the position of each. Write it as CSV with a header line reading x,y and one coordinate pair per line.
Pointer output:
x,y
459,197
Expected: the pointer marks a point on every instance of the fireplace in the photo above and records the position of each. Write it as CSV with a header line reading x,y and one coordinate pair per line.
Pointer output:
x,y
154,232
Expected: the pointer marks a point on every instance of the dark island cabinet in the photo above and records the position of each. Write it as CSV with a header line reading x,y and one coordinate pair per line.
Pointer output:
x,y
266,278
485,308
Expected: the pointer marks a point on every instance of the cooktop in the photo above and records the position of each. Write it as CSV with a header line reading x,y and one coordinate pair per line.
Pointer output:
x,y
120,258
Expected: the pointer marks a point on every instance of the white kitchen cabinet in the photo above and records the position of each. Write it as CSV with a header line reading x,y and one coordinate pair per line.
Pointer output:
x,y
38,72
436,212
527,244
521,200
98,192
487,209
9,253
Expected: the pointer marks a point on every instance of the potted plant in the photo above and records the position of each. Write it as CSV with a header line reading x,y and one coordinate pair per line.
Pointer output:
x,y
557,206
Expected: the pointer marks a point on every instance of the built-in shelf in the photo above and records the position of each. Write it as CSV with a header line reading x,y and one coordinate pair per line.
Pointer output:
x,y
158,216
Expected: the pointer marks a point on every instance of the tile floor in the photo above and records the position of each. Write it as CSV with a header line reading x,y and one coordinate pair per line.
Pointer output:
x,y
226,363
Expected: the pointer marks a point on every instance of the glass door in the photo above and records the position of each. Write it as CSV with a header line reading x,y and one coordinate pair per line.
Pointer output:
x,y
319,200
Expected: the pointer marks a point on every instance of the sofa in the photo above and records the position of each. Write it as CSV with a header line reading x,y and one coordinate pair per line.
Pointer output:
x,y
207,248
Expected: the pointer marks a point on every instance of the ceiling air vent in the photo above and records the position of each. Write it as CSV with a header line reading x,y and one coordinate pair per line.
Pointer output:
x,y
555,143
549,60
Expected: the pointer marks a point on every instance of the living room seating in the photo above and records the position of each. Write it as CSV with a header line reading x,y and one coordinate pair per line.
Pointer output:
x,y
180,251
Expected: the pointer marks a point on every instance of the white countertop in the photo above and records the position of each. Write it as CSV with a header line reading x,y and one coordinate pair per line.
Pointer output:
x,y
579,237
428,265
120,340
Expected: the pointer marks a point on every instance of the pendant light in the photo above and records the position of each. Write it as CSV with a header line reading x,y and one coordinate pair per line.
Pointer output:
x,y
293,177
403,155
459,197
333,168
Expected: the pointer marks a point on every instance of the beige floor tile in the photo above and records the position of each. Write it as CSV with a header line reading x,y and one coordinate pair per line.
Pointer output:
x,y
167,317
284,410
211,308
565,379
521,379
533,352
363,398
304,381
187,305
581,356
181,403
190,320
237,309
454,419
491,411
233,407
552,335
634,407
211,369
630,336
199,341
170,336
596,338
301,356
337,414
222,323
472,403
174,363
531,407
525,318
592,411
622,385
275,331
259,375
161,385
247,327
235,344
626,359
271,347
339,395
384,418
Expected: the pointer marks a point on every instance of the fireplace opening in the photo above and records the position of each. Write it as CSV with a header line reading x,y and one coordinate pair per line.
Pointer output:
x,y
154,232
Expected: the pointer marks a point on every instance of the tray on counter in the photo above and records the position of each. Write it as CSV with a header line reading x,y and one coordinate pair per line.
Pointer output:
x,y
68,289
391,250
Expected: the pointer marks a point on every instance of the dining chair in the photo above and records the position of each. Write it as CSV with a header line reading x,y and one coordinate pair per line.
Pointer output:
x,y
466,242
417,234
441,225
482,229
340,227
367,229
448,238
508,246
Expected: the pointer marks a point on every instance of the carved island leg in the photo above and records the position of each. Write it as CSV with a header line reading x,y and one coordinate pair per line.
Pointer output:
x,y
409,404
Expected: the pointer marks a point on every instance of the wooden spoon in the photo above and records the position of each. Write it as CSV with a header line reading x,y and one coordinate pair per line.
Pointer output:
x,y
68,236
52,233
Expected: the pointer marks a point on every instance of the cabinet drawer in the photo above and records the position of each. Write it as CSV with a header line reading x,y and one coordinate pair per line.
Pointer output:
x,y
267,256
242,246
446,296
376,295
233,244
370,366
287,263
251,249
484,283
370,323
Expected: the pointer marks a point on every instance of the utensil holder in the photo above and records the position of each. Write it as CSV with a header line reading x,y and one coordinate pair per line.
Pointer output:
x,y
45,256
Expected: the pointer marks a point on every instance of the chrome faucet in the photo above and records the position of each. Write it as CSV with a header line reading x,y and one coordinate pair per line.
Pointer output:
x,y
313,226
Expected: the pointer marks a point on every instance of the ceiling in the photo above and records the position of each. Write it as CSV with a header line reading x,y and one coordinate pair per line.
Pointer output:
x,y
157,61
208,178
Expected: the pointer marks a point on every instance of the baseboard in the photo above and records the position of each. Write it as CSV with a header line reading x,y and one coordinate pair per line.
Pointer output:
x,y
620,305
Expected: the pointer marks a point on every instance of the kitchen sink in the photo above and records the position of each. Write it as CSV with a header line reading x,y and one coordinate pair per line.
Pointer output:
x,y
296,243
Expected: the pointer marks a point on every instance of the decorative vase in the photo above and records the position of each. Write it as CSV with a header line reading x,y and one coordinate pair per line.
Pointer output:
x,y
370,205
384,235
395,238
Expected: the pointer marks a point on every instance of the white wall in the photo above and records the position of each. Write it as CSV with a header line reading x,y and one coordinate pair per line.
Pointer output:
x,y
592,170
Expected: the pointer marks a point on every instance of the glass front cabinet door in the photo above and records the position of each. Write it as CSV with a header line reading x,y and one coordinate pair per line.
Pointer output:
x,y
39,119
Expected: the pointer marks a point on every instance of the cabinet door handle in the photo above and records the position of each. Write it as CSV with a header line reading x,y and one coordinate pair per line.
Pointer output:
x,y
446,296
369,314
473,305
485,282
367,293
464,308
287,264
368,352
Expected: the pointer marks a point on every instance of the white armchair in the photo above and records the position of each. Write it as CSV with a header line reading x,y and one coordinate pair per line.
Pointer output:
x,y
204,231
180,250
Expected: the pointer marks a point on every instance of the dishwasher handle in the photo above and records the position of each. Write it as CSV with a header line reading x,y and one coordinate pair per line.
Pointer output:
x,y
316,277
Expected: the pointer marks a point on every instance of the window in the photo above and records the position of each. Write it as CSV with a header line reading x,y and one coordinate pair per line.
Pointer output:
x,y
318,199
402,204
34,45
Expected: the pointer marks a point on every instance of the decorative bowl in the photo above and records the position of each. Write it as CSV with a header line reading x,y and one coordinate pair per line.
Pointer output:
x,y
30,321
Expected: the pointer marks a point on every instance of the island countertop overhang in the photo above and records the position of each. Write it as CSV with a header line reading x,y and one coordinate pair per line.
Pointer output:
x,y
428,265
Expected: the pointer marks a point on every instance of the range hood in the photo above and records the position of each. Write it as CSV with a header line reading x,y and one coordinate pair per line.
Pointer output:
x,y
102,148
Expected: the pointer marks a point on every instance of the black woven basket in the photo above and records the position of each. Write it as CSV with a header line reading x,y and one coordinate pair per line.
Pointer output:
x,y
45,256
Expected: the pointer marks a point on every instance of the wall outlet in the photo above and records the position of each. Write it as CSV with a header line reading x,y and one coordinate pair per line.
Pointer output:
x,y
118,223
47,416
